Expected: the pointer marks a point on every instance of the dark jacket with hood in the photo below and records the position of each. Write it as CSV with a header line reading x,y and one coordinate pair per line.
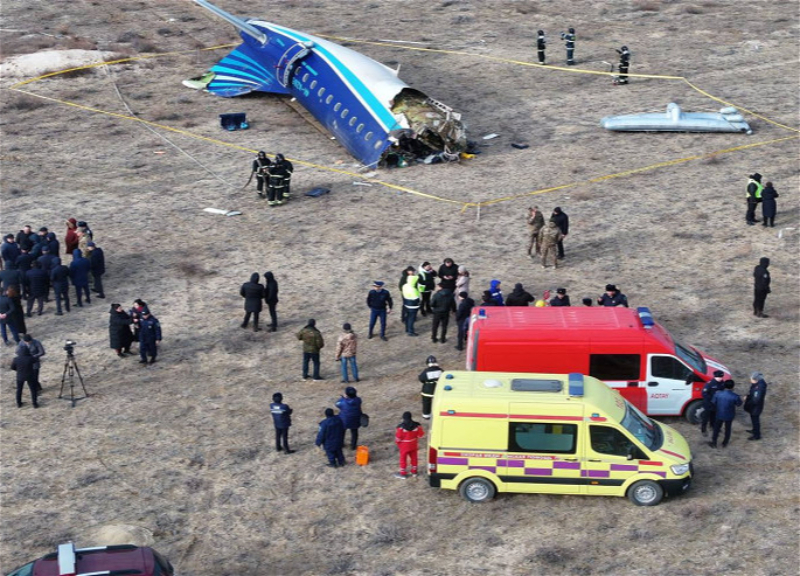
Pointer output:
x,y
271,290
119,329
497,294
97,260
79,269
23,363
519,297
562,221
253,294
350,410
761,276
768,205
54,244
59,276
726,402
37,281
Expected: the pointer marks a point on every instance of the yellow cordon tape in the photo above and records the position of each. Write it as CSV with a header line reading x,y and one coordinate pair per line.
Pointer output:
x,y
464,205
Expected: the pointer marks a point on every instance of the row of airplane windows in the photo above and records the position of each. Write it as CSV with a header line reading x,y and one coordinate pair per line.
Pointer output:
x,y
344,113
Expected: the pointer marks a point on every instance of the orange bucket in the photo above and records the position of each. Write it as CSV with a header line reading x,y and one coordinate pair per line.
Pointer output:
x,y
362,456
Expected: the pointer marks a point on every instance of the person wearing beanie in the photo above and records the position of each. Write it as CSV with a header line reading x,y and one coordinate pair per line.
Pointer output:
x,y
519,297
349,407
754,403
761,287
769,206
407,435
711,388
97,265
463,313
429,378
561,298
253,294
612,297
312,344
331,438
120,336
282,419
346,350
753,195
725,403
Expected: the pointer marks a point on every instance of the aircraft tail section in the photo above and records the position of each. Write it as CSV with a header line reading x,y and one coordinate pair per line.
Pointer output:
x,y
243,71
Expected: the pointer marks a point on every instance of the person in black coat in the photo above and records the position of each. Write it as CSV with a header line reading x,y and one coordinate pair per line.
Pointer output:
x,y
59,279
561,298
9,251
754,403
38,287
761,287
519,297
120,336
562,223
541,45
448,274
271,298
18,314
253,294
331,437
24,263
463,313
23,363
768,205
11,276
79,273
97,266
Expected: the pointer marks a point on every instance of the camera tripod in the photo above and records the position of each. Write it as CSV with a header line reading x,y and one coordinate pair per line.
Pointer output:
x,y
70,370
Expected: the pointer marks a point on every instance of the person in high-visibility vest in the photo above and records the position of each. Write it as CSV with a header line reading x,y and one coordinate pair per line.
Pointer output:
x,y
754,188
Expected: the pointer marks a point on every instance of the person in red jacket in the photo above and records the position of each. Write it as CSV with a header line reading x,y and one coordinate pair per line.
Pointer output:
x,y
406,437
71,237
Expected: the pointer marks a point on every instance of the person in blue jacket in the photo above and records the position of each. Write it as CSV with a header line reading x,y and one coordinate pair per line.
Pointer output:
x,y
331,438
349,407
149,337
59,279
79,274
725,401
754,403
282,419
716,384
497,293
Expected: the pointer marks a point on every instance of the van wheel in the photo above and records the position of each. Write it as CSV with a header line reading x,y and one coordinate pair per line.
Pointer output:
x,y
693,411
645,493
477,490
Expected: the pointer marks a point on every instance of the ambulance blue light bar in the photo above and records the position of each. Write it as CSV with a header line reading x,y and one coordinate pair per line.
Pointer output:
x,y
575,384
646,317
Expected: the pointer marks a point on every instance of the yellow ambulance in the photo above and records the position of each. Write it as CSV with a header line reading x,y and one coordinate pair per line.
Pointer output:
x,y
549,434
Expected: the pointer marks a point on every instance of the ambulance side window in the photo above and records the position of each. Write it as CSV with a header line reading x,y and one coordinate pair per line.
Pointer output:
x,y
668,367
549,438
615,366
607,440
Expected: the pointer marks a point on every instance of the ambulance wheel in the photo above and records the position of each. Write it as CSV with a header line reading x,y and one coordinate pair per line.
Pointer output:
x,y
645,493
477,489
693,412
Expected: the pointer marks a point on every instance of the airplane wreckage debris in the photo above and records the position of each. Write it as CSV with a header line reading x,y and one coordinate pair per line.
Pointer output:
x,y
675,120
376,116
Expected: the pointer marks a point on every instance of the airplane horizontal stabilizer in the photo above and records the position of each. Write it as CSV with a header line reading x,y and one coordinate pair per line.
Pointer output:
x,y
242,71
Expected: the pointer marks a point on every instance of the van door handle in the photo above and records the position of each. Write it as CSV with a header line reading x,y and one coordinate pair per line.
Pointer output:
x,y
570,459
633,384
594,460
652,383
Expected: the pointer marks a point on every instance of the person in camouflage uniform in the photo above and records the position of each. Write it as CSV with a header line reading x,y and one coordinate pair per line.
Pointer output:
x,y
535,224
549,237
312,344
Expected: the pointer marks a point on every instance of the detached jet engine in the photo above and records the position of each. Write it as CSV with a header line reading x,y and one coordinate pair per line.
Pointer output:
x,y
361,102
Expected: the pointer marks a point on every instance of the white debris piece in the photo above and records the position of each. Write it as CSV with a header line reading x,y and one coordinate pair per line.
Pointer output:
x,y
222,212
490,136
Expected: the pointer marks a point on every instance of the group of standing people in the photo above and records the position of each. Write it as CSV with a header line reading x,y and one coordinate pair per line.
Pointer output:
x,y
546,239
273,179
254,293
764,194
720,403
569,43
135,325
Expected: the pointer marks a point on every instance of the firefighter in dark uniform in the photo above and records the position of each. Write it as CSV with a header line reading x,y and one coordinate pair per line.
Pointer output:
x,y
429,377
540,45
288,169
624,63
569,39
709,410
277,182
261,170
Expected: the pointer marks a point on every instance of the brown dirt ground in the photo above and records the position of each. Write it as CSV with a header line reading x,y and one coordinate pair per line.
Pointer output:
x,y
183,450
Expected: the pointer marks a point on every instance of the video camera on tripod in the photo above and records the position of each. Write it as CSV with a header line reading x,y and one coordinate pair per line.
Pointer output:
x,y
70,371
69,347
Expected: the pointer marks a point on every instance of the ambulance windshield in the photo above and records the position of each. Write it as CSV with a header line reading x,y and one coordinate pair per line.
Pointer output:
x,y
691,357
642,428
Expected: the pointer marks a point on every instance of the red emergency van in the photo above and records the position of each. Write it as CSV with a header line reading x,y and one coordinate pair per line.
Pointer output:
x,y
623,347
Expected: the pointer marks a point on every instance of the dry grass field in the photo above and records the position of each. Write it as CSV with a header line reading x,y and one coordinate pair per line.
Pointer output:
x,y
183,450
